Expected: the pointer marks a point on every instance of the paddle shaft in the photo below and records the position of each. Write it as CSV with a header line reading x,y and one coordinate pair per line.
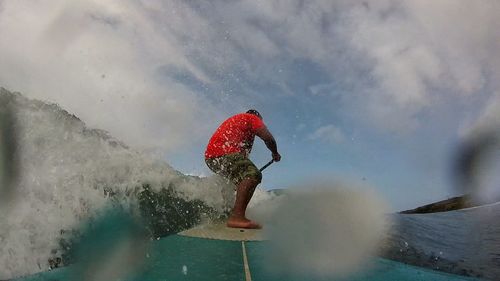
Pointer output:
x,y
267,165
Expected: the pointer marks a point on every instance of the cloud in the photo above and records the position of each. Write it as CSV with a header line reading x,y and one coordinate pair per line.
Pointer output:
x,y
149,71
100,61
328,133
424,54
393,61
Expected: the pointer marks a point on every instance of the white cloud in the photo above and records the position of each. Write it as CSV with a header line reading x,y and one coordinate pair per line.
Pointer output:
x,y
328,133
423,54
99,61
102,59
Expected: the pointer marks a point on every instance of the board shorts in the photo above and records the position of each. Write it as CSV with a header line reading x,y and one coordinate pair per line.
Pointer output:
x,y
234,167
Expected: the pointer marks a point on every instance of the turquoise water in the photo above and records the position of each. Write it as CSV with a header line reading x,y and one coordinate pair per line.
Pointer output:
x,y
185,258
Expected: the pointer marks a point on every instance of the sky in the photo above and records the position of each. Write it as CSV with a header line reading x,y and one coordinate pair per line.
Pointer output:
x,y
378,92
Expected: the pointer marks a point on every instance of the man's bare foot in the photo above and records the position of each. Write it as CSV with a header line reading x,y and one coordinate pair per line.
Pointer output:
x,y
242,223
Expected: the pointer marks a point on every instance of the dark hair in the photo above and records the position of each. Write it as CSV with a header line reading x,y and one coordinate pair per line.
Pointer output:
x,y
254,112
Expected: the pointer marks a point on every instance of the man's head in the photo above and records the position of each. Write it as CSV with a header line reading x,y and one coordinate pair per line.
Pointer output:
x,y
254,112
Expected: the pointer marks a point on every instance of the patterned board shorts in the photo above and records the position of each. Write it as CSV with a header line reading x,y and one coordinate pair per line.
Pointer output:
x,y
234,167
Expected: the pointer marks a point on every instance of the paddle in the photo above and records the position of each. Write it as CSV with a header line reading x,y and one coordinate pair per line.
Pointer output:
x,y
267,165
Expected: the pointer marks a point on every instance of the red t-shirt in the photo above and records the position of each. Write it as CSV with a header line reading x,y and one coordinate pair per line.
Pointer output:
x,y
236,134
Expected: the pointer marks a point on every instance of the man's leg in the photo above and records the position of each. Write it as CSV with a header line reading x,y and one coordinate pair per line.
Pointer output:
x,y
244,193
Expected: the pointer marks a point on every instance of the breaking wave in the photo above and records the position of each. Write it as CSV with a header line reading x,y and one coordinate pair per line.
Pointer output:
x,y
68,174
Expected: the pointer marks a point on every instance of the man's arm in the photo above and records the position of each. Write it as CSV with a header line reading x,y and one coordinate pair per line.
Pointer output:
x,y
270,142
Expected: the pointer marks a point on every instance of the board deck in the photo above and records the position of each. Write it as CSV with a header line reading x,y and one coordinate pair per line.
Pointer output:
x,y
228,254
220,231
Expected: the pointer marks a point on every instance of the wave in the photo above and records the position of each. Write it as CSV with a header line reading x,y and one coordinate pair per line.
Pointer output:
x,y
69,173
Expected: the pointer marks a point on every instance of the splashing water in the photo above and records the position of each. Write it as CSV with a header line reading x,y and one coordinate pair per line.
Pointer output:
x,y
68,173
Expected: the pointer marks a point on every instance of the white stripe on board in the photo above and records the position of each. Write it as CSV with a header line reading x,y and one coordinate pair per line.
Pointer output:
x,y
248,277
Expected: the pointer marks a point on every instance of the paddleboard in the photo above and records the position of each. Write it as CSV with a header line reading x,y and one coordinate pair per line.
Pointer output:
x,y
214,252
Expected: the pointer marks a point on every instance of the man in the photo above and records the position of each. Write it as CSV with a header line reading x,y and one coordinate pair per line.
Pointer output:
x,y
227,155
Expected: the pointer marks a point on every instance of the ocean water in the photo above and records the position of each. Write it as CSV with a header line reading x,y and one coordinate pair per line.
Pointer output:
x,y
465,242
68,174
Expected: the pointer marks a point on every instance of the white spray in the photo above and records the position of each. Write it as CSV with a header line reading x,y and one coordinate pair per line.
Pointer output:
x,y
66,174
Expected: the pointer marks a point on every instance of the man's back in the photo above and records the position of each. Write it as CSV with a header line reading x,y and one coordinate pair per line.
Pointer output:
x,y
236,134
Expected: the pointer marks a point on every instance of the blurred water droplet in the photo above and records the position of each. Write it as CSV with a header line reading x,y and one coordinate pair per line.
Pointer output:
x,y
113,247
474,166
8,153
